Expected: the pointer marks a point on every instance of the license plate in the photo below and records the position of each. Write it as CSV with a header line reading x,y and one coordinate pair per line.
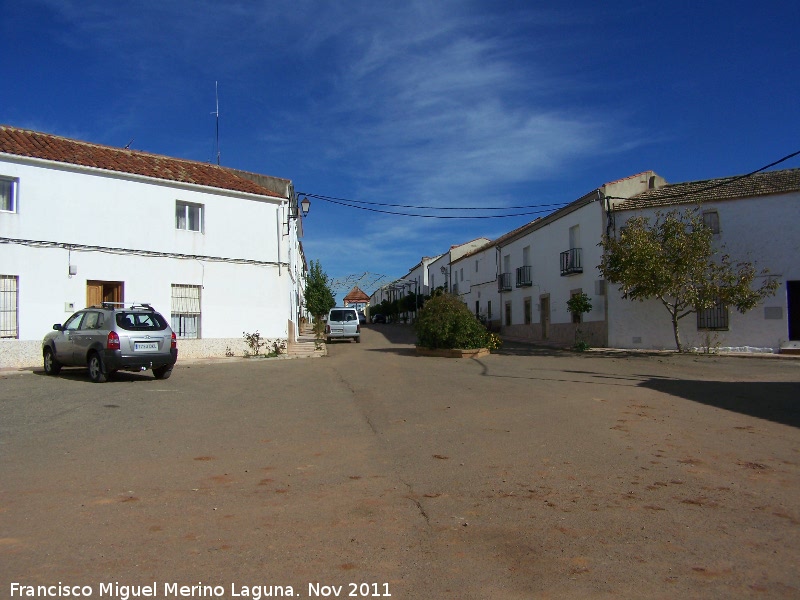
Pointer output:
x,y
145,346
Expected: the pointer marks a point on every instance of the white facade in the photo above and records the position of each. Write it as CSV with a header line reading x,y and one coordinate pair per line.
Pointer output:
x,y
543,264
761,229
74,227
478,286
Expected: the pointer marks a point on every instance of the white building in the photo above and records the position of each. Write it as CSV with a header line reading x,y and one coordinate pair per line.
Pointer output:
x,y
214,249
757,219
477,283
440,271
542,264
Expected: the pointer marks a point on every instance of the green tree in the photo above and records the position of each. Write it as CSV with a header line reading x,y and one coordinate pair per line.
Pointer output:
x,y
577,305
674,260
319,297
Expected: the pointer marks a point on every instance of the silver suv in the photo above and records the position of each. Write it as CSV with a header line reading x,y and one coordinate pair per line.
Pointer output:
x,y
343,323
109,338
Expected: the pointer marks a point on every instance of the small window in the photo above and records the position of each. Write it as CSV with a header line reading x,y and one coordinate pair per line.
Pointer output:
x,y
489,310
93,320
141,321
8,195
8,307
714,318
528,312
188,217
186,311
711,220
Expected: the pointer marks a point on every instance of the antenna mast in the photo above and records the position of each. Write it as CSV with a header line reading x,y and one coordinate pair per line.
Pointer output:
x,y
216,113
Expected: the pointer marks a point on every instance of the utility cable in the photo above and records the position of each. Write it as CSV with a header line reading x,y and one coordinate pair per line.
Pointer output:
x,y
725,181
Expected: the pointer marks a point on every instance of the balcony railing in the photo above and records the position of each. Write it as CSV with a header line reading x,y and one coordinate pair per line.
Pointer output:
x,y
524,276
571,262
504,282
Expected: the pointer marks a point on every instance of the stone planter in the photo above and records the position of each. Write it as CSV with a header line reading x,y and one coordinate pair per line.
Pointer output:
x,y
452,353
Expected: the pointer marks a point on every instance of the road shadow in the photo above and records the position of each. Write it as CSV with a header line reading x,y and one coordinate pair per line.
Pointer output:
x,y
776,401
80,374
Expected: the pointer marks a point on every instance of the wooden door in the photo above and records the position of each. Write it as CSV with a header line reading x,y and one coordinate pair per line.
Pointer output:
x,y
98,292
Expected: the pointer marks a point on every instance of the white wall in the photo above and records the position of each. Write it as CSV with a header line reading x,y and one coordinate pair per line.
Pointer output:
x,y
547,242
764,230
72,206
479,285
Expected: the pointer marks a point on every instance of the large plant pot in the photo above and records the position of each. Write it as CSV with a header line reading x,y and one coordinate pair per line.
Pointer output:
x,y
452,353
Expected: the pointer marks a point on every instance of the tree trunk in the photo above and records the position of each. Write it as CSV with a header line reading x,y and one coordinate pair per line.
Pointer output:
x,y
676,332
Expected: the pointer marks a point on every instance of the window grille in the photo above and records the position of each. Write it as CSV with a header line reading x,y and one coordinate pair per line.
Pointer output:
x,y
8,307
186,311
715,317
711,220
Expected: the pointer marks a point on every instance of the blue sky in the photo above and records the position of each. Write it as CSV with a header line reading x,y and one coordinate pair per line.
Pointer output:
x,y
435,103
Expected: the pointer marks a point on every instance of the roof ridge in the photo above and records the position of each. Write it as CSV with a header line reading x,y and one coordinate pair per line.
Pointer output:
x,y
28,143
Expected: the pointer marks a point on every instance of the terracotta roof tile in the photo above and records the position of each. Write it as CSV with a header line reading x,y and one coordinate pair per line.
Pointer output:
x,y
726,188
33,144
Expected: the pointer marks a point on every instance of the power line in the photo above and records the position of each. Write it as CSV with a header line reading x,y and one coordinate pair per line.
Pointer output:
x,y
332,198
544,208
404,214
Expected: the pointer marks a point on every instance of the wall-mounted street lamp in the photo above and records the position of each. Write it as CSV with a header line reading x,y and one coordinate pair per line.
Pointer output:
x,y
296,208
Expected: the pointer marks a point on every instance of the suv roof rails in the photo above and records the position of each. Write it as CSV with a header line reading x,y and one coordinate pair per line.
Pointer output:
x,y
145,305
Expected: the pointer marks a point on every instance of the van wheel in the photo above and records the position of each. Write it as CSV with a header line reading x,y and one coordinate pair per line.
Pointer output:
x,y
51,365
97,370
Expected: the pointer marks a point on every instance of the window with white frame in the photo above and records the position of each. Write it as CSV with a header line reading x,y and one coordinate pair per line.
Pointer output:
x,y
714,318
8,194
8,306
188,216
186,311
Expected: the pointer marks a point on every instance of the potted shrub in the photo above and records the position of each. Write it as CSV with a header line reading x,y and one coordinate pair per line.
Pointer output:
x,y
446,327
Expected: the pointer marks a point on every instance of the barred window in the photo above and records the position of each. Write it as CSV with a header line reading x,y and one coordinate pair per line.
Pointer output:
x,y
715,317
8,307
186,311
711,220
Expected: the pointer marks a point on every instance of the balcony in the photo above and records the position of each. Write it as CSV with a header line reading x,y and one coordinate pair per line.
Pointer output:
x,y
504,282
571,262
524,276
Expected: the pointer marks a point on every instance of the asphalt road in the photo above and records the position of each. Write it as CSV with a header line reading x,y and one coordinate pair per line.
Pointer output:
x,y
524,474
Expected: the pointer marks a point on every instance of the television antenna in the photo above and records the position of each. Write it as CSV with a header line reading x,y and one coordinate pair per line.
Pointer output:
x,y
216,114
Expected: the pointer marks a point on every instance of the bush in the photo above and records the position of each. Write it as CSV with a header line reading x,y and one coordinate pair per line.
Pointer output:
x,y
446,322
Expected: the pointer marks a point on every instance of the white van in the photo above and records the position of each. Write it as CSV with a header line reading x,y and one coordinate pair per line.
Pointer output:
x,y
343,323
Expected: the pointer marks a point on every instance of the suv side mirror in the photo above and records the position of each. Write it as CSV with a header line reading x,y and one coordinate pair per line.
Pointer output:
x,y
58,327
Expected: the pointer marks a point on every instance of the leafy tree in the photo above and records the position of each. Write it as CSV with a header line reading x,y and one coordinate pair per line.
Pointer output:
x,y
577,305
319,297
674,260
446,322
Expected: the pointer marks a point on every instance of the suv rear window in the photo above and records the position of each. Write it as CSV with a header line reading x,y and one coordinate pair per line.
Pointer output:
x,y
343,315
141,321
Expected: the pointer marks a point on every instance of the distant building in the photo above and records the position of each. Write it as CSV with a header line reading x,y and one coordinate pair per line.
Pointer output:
x,y
356,298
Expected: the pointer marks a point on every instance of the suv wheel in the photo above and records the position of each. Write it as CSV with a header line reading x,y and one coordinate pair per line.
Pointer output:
x,y
51,365
162,372
96,368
